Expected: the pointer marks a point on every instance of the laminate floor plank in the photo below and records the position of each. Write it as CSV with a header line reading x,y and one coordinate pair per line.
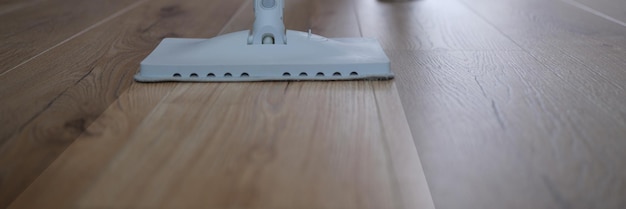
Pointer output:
x,y
32,27
428,26
500,130
609,9
8,6
91,154
248,145
48,103
535,120
564,39
550,24
585,50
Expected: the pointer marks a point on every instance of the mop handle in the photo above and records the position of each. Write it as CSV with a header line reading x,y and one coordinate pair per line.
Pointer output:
x,y
268,25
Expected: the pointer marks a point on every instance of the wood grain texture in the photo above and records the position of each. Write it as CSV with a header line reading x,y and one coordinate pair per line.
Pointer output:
x,y
251,145
48,103
8,6
28,28
550,23
262,145
539,125
512,104
614,11
116,124
506,135
428,25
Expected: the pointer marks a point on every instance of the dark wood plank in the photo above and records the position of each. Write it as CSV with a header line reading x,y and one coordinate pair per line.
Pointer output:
x,y
535,121
35,26
47,103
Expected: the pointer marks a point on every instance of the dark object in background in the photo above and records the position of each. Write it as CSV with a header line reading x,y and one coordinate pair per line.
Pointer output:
x,y
395,0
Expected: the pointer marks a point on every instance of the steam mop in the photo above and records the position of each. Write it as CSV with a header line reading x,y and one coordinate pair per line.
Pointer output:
x,y
268,52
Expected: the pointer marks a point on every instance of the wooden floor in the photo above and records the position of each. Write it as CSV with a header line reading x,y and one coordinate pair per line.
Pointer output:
x,y
496,104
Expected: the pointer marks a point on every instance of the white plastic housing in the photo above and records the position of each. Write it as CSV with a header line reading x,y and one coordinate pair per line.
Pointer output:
x,y
230,58
265,54
268,25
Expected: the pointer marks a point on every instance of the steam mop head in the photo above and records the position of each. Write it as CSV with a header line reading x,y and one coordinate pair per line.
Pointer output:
x,y
227,58
265,54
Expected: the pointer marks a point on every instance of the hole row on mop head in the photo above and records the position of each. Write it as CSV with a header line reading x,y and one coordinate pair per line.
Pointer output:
x,y
286,74
304,74
195,75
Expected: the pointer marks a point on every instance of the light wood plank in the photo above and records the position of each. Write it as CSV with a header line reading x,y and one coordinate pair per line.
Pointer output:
x,y
251,145
394,179
428,25
550,24
500,130
613,10
28,28
93,150
408,169
47,103
8,6
585,54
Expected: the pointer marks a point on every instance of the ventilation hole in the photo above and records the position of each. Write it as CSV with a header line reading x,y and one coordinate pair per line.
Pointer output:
x,y
286,74
354,73
210,75
303,74
319,74
193,75
337,74
176,74
228,75
245,75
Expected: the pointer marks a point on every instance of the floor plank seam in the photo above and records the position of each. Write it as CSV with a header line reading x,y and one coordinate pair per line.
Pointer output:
x,y
593,11
492,25
128,89
531,55
101,22
35,117
395,183
37,114
544,65
405,121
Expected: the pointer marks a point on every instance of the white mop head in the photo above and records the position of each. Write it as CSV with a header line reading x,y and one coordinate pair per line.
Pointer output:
x,y
267,53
